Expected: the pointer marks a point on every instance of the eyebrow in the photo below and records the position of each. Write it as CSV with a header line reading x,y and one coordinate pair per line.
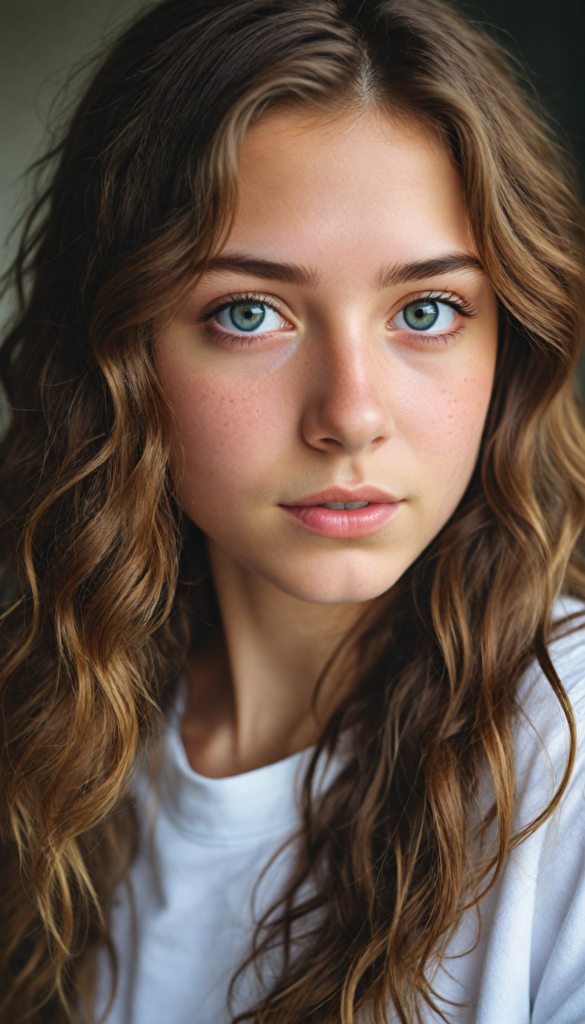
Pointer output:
x,y
293,273
290,273
402,272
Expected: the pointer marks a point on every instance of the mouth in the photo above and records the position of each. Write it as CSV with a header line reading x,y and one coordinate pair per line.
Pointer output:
x,y
339,498
342,514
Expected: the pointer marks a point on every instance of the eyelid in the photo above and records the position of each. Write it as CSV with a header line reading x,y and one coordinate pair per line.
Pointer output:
x,y
231,298
450,298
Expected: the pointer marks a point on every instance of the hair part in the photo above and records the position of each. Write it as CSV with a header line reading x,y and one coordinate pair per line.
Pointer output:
x,y
106,586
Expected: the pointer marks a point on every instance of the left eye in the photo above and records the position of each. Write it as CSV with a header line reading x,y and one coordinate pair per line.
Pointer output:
x,y
249,317
425,315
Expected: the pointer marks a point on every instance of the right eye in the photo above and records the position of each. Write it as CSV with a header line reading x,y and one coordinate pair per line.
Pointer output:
x,y
425,315
249,317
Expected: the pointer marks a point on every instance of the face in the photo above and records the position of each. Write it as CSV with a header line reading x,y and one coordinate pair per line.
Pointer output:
x,y
341,349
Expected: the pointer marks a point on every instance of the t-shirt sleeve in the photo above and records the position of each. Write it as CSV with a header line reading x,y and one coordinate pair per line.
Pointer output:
x,y
558,936
558,955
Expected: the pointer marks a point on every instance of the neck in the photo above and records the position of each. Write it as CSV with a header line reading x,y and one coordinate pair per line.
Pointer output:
x,y
251,690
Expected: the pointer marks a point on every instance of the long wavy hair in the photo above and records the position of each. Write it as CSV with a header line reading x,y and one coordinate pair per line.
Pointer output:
x,y
106,587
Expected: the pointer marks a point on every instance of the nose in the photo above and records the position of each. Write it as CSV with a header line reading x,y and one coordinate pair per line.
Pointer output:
x,y
348,405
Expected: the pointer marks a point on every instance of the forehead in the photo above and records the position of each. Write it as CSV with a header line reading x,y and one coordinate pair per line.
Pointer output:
x,y
355,183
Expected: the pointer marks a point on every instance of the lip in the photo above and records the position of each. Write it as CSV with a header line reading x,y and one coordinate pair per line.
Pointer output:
x,y
345,524
343,494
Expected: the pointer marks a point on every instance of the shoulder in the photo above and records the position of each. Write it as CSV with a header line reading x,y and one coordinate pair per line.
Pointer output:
x,y
541,730
543,887
566,648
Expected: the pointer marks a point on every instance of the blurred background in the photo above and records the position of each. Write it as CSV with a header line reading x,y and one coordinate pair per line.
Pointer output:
x,y
41,40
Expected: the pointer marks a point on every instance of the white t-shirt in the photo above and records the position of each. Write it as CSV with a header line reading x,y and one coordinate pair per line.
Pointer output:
x,y
194,883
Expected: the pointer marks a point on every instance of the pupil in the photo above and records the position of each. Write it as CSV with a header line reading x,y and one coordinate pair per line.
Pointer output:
x,y
421,315
247,315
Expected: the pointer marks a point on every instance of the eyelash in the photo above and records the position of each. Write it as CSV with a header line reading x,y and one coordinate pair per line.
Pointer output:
x,y
456,302
224,336
462,306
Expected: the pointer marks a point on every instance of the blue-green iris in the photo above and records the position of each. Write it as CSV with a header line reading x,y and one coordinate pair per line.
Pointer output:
x,y
246,316
421,315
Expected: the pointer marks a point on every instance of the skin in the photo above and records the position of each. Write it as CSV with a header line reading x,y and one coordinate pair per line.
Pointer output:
x,y
337,394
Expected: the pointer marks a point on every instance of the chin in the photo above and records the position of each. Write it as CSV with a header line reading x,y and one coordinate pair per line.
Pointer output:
x,y
335,584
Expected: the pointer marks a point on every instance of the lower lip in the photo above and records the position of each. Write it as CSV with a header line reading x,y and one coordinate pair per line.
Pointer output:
x,y
344,524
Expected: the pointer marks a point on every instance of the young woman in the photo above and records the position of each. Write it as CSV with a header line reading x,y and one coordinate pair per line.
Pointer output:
x,y
293,491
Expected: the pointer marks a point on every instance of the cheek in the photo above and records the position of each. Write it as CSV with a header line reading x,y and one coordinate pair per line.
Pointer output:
x,y
455,418
443,417
225,431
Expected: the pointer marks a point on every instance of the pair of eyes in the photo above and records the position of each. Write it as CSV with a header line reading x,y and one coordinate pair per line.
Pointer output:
x,y
252,316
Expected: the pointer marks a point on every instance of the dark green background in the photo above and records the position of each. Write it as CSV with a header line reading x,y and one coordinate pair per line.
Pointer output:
x,y
41,39
548,37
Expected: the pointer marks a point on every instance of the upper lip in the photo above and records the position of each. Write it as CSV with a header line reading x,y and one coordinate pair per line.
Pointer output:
x,y
336,495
